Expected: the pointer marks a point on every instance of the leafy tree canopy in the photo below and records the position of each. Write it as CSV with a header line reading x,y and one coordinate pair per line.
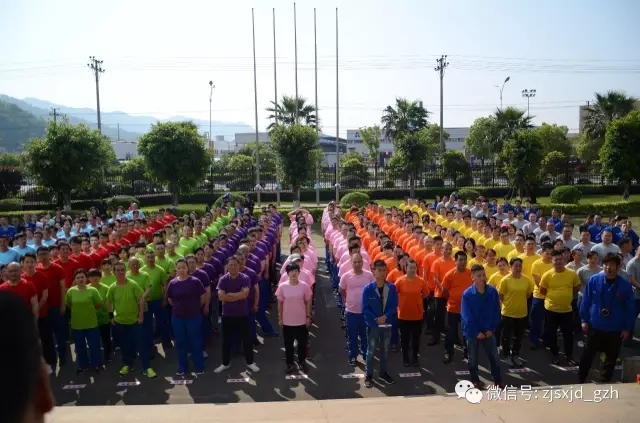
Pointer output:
x,y
520,160
484,138
620,155
406,116
371,139
554,138
267,156
414,151
455,165
285,112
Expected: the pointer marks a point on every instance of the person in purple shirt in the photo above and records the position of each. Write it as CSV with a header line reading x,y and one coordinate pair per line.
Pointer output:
x,y
254,292
233,291
207,326
187,296
203,277
209,249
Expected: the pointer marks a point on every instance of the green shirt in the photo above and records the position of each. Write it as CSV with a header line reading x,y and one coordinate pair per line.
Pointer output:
x,y
108,280
103,314
211,231
83,305
158,278
167,264
202,239
189,244
177,256
125,298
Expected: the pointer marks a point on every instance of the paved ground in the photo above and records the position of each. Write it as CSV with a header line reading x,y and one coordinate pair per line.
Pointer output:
x,y
326,379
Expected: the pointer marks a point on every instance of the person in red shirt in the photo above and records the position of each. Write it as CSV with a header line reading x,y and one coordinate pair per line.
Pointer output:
x,y
83,260
19,286
68,263
89,248
131,236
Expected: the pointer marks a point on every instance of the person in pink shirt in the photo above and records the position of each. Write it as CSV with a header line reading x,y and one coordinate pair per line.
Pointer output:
x,y
305,276
346,266
294,316
310,255
352,285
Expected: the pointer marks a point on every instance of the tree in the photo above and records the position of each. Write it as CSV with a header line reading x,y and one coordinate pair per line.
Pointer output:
x,y
510,121
69,157
483,140
298,154
519,160
371,139
455,166
10,175
407,116
267,156
286,112
241,171
414,151
354,171
554,138
554,167
606,108
620,154
176,155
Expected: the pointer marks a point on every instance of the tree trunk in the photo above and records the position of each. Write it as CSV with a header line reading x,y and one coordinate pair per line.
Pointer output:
x,y
174,198
412,185
296,197
66,200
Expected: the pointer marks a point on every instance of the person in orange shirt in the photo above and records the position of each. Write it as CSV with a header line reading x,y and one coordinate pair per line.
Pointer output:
x,y
429,259
413,240
439,269
411,290
387,226
418,252
400,269
454,284
406,235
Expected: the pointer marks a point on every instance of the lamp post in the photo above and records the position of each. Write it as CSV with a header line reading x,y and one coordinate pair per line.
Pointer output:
x,y
528,94
210,101
502,88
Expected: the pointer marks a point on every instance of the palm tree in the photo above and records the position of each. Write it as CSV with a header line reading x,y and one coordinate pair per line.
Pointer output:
x,y
408,116
285,112
607,107
508,122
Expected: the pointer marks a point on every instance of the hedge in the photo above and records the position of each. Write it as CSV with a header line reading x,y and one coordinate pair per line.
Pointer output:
x,y
566,194
357,198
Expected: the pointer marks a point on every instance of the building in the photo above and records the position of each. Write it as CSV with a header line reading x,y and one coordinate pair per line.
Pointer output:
x,y
584,112
125,150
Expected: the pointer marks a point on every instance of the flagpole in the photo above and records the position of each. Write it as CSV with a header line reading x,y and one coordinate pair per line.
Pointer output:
x,y
255,90
275,96
295,41
337,119
315,41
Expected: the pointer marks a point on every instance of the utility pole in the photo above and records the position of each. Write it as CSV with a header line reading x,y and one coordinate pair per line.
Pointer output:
x,y
442,65
96,66
54,113
528,94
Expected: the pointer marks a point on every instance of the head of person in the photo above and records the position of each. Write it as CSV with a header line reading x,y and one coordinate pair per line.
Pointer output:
x,y
411,268
491,257
192,263
545,251
519,241
503,265
182,268
120,271
12,272
558,260
357,262
516,266
134,265
29,262
478,276
380,270
402,262
293,272
461,261
447,250
577,255
94,276
611,265
438,244
80,278
607,237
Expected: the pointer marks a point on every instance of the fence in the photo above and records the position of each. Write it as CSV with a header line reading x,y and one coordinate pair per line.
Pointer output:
x,y
15,185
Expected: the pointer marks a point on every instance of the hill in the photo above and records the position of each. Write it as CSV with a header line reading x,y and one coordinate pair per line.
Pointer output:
x,y
17,127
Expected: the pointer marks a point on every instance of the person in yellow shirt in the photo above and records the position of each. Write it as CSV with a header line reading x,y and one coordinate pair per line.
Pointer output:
x,y
536,313
514,291
470,249
495,237
503,270
478,257
491,262
558,285
458,222
504,247
518,245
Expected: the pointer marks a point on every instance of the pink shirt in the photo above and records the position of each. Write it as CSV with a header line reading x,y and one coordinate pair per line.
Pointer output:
x,y
305,276
354,285
345,257
292,299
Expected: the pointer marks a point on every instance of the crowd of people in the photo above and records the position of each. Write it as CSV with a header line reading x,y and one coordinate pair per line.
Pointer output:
x,y
123,282
481,273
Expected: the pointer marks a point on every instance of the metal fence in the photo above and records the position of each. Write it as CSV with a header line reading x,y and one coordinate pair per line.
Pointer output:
x,y
15,185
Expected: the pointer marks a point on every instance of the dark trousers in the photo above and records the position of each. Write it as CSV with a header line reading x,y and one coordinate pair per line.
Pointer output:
x,y
46,341
239,325
292,334
60,329
410,331
564,321
512,334
440,316
599,341
105,336
454,321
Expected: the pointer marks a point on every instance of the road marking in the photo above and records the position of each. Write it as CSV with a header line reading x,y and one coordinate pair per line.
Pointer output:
x,y
181,381
296,377
521,370
410,374
353,376
134,383
238,380
462,372
73,387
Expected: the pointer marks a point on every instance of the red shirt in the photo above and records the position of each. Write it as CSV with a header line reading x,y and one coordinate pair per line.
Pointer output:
x,y
69,267
40,281
54,274
132,237
24,289
111,248
96,259
85,261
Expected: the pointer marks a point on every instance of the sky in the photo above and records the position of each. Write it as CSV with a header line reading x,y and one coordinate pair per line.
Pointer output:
x,y
159,56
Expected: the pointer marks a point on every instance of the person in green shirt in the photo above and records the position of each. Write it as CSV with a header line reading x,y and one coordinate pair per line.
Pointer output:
x,y
172,252
125,304
188,241
107,277
144,281
199,235
83,300
155,304
104,323
167,264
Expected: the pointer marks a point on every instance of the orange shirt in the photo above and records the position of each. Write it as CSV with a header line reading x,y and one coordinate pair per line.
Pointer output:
x,y
456,283
409,243
391,262
440,267
394,275
397,233
419,253
427,263
410,295
402,239
373,249
367,240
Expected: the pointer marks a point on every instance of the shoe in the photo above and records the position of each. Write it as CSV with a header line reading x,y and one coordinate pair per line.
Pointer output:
x,y
555,361
368,382
124,370
290,369
49,370
571,361
387,378
200,373
253,367
81,371
511,362
205,354
304,368
415,363
448,358
480,385
353,362
406,363
221,368
180,373
150,373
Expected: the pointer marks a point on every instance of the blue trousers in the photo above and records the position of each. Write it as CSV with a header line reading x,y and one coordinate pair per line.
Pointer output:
x,y
159,312
278,252
60,329
491,349
356,328
188,337
82,339
205,327
377,337
537,318
131,342
263,302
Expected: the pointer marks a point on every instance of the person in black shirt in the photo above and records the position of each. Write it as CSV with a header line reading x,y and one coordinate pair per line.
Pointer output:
x,y
588,222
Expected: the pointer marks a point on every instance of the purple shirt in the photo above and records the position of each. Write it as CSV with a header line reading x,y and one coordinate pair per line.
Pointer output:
x,y
185,296
217,265
202,276
253,264
253,278
210,271
231,286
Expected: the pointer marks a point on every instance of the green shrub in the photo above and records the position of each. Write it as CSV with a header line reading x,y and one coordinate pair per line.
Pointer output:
x,y
468,194
357,198
566,194
233,197
628,208
389,184
123,201
353,182
11,204
464,181
434,183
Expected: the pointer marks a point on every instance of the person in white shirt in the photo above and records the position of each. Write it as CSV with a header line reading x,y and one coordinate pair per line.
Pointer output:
x,y
585,244
531,225
567,238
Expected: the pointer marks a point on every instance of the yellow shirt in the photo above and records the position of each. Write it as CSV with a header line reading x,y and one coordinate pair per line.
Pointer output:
x,y
473,261
467,231
560,286
514,253
514,295
527,263
490,270
457,224
475,235
538,268
490,243
495,279
503,250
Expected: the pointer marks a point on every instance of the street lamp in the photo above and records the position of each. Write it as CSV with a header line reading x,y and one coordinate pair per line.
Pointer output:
x,y
210,100
529,94
502,88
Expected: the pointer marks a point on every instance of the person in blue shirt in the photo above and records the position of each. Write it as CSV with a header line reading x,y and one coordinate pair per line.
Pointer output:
x,y
480,313
596,228
6,229
607,312
20,245
7,255
380,311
